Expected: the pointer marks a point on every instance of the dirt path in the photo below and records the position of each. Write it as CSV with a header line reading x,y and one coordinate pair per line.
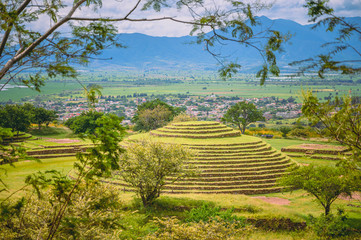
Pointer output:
x,y
355,196
320,147
64,140
274,200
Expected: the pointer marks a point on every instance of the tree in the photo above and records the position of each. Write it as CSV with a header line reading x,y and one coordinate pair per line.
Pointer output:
x,y
325,183
147,163
153,114
340,120
284,130
322,14
42,115
67,206
15,117
53,52
93,214
85,123
150,119
183,117
241,114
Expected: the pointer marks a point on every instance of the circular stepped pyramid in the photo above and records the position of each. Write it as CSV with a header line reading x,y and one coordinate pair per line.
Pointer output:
x,y
228,162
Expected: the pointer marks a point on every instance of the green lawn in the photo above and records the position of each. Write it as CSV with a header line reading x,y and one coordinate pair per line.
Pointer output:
x,y
286,142
53,132
16,175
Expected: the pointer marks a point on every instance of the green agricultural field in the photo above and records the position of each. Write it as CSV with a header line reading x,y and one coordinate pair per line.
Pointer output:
x,y
50,90
244,86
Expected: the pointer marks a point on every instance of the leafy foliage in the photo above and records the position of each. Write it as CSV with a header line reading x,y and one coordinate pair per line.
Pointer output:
x,y
92,214
325,183
340,120
183,117
146,164
330,226
322,14
207,213
285,130
149,119
15,117
241,114
153,114
216,229
85,123
19,117
41,116
61,193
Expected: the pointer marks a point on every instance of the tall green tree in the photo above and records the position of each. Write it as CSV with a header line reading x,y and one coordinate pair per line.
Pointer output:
x,y
147,163
339,120
54,51
241,114
15,117
153,114
67,207
325,183
85,123
42,115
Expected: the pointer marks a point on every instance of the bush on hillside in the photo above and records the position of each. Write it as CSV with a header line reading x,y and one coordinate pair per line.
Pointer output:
x,y
330,226
302,133
183,117
207,213
216,229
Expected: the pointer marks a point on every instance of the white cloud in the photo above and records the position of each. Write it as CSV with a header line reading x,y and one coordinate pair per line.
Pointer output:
x,y
286,9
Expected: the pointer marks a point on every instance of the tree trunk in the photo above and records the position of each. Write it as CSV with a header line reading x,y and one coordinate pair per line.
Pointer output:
x,y
243,129
327,209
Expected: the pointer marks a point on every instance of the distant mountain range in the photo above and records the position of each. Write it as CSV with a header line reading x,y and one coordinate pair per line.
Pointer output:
x,y
177,53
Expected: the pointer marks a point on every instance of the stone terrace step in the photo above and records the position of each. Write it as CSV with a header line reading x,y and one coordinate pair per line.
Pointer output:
x,y
245,173
242,165
200,188
245,169
194,131
224,183
235,191
271,157
230,148
250,177
183,135
234,154
55,151
193,124
54,156
172,127
224,145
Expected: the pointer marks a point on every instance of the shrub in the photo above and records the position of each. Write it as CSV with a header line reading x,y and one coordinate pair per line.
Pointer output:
x,y
330,226
262,131
93,215
183,117
297,132
285,130
276,223
208,213
216,229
